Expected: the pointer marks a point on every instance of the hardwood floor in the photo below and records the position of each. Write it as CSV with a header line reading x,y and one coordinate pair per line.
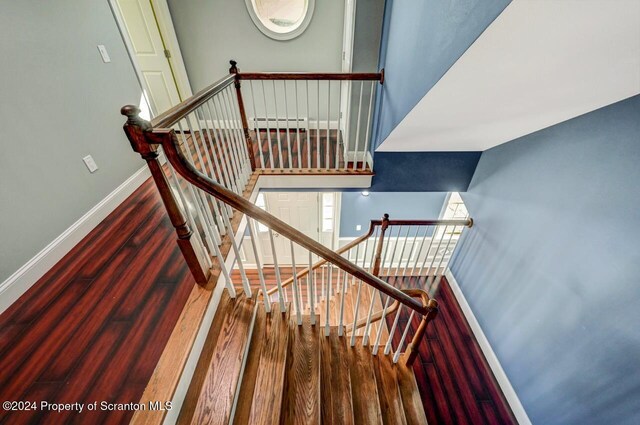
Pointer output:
x,y
455,381
454,378
308,148
94,327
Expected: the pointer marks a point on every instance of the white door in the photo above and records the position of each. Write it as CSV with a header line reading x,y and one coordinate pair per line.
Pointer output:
x,y
141,25
298,209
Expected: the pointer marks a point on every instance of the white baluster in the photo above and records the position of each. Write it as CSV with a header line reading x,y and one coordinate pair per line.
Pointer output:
x,y
365,339
328,124
387,347
355,315
355,153
396,356
299,147
266,114
236,251
404,244
283,307
413,245
366,138
338,128
382,326
275,103
222,163
286,117
327,302
344,290
263,285
255,124
296,291
308,128
311,290
424,238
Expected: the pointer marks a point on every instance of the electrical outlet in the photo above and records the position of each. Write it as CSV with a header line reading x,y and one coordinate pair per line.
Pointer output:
x,y
104,53
358,227
90,163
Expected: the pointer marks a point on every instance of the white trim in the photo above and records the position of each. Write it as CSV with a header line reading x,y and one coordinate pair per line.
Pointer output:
x,y
320,181
168,32
20,281
490,355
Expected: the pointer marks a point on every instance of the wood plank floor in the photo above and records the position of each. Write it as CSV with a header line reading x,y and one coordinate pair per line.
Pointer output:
x,y
455,381
94,327
293,148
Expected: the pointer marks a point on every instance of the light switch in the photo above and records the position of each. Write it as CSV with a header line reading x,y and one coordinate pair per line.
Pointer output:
x,y
90,163
358,227
104,53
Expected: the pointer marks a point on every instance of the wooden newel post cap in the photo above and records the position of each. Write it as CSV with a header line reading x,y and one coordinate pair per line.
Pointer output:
x,y
234,67
385,217
130,111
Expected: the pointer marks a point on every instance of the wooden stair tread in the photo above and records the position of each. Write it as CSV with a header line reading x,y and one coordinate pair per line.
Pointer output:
x,y
269,382
210,397
411,400
245,396
336,405
301,404
363,385
389,391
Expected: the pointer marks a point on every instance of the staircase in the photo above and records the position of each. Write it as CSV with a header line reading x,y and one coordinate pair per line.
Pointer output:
x,y
332,343
286,373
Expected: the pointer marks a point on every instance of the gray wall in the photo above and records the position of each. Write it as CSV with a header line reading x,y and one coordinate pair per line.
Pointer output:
x,y
551,267
212,32
357,209
366,49
59,102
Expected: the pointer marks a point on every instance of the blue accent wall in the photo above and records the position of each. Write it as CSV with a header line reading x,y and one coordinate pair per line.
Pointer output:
x,y
357,209
421,39
551,268
423,171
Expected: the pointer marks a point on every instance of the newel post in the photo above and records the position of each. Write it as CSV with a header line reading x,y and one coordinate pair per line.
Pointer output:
x,y
383,229
243,114
135,129
412,349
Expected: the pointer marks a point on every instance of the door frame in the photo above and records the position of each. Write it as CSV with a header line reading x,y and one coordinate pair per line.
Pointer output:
x,y
169,38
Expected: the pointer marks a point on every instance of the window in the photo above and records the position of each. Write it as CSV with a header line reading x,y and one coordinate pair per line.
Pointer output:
x,y
327,211
281,19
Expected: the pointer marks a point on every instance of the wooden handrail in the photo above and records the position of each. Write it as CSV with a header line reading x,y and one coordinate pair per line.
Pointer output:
x,y
175,114
340,76
359,239
168,139
322,262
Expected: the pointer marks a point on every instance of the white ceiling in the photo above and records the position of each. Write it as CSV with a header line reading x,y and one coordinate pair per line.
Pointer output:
x,y
539,63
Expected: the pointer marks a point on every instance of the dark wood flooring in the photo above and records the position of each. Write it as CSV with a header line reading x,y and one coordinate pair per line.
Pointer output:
x,y
94,327
300,149
455,381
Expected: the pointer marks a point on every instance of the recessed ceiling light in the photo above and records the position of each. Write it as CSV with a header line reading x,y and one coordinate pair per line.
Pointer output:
x,y
365,193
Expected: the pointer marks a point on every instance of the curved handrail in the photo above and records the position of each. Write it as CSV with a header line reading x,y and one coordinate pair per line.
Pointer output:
x,y
168,139
322,262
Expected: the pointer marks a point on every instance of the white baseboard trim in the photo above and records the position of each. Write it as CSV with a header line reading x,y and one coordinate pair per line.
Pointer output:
x,y
20,281
490,355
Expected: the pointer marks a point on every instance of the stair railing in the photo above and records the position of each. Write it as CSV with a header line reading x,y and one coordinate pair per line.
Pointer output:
x,y
208,148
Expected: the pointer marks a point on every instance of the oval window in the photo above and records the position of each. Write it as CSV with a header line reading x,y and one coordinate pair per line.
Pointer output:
x,y
281,19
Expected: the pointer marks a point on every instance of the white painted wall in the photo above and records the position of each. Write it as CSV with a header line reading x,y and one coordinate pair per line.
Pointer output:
x,y
537,64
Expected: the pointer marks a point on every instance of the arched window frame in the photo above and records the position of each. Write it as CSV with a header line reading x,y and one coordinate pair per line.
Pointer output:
x,y
282,36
